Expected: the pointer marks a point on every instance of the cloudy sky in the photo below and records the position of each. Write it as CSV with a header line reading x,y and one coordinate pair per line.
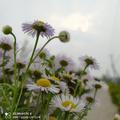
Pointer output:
x,y
94,25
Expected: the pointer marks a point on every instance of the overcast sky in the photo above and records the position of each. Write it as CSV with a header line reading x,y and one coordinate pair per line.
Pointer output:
x,y
94,25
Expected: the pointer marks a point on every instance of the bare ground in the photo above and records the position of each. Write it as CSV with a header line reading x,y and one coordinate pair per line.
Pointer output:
x,y
104,108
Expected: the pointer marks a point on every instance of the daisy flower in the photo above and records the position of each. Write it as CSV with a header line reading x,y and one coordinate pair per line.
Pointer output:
x,y
89,61
86,79
43,85
6,44
62,85
69,77
44,29
44,53
92,83
54,78
68,103
64,61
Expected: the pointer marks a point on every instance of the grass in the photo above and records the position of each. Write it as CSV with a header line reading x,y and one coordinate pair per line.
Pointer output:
x,y
114,89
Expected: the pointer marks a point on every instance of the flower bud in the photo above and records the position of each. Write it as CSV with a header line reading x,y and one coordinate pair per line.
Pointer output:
x,y
89,61
42,55
36,73
64,36
7,30
20,65
63,63
98,86
90,99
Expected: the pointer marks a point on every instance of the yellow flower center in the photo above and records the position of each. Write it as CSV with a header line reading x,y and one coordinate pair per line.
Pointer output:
x,y
43,82
55,78
69,103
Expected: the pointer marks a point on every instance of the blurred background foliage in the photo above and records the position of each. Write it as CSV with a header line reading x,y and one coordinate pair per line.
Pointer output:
x,y
114,89
113,81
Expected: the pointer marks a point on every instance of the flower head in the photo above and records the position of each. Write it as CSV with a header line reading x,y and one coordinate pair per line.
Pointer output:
x,y
89,61
62,85
64,61
92,83
5,43
55,79
43,85
64,36
69,77
21,63
44,53
44,29
68,103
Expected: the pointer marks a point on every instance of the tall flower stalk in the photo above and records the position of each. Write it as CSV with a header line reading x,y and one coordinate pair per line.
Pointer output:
x,y
35,46
37,28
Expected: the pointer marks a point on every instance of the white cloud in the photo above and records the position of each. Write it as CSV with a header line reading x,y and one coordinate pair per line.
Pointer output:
x,y
74,22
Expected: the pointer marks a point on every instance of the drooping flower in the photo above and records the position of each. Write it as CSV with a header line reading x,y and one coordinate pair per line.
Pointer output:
x,y
89,62
65,62
43,85
64,36
7,30
68,103
44,29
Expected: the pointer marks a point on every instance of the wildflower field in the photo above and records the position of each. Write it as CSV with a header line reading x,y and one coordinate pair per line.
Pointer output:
x,y
44,86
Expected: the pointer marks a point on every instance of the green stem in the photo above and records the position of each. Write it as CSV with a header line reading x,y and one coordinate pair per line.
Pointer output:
x,y
66,117
35,46
37,105
43,48
94,95
3,67
78,83
15,75
5,97
15,65
31,61
23,80
59,115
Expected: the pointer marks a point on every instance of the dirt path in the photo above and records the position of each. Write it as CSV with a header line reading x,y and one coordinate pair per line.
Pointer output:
x,y
104,109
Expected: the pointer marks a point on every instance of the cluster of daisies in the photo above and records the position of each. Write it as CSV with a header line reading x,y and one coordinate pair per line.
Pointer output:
x,y
45,85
